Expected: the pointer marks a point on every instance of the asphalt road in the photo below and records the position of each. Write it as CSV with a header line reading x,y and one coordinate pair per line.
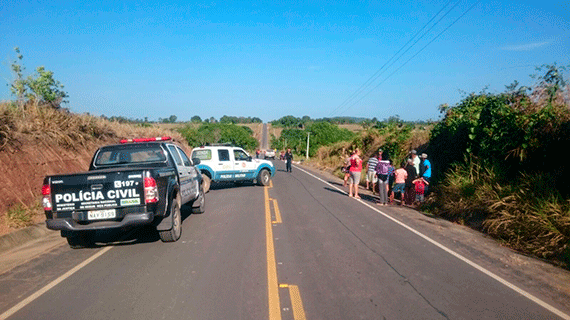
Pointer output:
x,y
264,137
298,249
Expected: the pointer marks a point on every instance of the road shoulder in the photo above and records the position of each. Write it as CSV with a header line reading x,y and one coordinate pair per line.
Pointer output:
x,y
23,245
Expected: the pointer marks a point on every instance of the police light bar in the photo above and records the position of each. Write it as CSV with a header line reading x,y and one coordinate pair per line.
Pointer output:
x,y
145,139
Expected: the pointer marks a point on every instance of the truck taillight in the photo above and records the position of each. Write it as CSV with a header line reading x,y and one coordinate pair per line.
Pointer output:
x,y
46,201
150,190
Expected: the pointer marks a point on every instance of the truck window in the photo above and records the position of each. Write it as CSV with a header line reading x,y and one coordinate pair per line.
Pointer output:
x,y
185,159
129,155
202,154
240,155
224,155
175,155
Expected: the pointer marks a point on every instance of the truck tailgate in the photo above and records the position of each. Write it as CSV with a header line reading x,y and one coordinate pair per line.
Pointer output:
x,y
97,191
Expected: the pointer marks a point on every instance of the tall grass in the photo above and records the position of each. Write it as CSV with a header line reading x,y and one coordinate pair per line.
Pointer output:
x,y
20,215
63,128
534,219
526,213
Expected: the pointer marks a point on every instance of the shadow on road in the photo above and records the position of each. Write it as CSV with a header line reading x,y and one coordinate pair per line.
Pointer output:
x,y
131,236
364,195
229,185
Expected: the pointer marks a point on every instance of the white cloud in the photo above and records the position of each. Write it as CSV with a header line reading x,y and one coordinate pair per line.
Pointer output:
x,y
526,47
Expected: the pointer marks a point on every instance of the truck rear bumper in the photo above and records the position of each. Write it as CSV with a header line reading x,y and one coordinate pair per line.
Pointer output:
x,y
129,220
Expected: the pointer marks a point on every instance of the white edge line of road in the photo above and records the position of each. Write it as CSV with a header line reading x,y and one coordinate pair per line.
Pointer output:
x,y
52,284
458,256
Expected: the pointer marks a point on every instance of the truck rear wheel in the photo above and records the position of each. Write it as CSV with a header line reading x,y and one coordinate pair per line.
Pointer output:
x,y
78,240
174,233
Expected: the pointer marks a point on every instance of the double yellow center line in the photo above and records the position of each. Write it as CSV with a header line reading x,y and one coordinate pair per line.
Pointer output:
x,y
272,280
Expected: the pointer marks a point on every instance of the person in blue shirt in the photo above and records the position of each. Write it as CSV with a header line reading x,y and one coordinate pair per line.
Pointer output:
x,y
427,169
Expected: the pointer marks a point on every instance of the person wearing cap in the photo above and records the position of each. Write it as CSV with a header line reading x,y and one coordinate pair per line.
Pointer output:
x,y
416,160
427,167
427,171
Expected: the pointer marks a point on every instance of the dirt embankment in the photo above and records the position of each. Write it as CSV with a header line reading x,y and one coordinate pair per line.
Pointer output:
x,y
24,167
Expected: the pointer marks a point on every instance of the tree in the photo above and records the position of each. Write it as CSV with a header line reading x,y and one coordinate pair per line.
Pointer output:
x,y
208,133
552,82
40,88
196,119
172,119
45,89
288,122
227,119
18,86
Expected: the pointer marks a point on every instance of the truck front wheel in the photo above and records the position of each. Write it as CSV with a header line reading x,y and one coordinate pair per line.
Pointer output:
x,y
174,233
206,182
199,205
263,178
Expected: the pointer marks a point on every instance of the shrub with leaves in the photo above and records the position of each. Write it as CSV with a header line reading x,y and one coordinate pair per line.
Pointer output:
x,y
516,130
209,133
505,171
321,134
40,88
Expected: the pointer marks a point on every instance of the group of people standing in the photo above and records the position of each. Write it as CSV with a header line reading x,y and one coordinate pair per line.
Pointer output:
x,y
410,180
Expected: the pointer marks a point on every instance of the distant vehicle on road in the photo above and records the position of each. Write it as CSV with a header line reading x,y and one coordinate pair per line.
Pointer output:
x,y
269,154
138,182
231,164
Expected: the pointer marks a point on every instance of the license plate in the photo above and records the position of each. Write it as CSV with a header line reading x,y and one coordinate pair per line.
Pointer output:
x,y
102,214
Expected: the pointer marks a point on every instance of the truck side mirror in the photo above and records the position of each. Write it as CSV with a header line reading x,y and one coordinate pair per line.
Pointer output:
x,y
249,158
196,161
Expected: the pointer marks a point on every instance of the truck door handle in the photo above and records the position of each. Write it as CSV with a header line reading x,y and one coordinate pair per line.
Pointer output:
x,y
96,186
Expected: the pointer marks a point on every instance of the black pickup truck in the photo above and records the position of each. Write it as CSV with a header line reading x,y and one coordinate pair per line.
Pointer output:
x,y
134,183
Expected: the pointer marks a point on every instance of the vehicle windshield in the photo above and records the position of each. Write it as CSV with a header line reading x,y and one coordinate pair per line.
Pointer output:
x,y
130,155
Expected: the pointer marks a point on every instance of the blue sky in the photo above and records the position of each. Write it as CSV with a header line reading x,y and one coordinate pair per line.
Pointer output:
x,y
276,58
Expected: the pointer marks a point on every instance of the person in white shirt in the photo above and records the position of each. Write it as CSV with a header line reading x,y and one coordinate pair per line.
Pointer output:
x,y
416,160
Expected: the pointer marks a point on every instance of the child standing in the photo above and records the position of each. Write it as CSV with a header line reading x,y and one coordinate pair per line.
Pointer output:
x,y
420,185
346,169
400,176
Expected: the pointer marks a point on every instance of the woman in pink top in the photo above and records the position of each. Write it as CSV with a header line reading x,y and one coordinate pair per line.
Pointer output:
x,y
355,171
400,181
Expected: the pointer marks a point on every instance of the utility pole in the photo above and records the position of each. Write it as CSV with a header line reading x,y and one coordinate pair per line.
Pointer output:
x,y
308,136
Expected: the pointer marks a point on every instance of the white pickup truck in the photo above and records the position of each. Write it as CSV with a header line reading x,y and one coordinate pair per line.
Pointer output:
x,y
231,164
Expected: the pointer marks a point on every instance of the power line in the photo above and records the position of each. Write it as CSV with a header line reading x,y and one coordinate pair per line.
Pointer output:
x,y
376,74
418,52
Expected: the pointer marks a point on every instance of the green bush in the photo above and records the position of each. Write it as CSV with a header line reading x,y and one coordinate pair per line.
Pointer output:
x,y
209,133
499,157
321,134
